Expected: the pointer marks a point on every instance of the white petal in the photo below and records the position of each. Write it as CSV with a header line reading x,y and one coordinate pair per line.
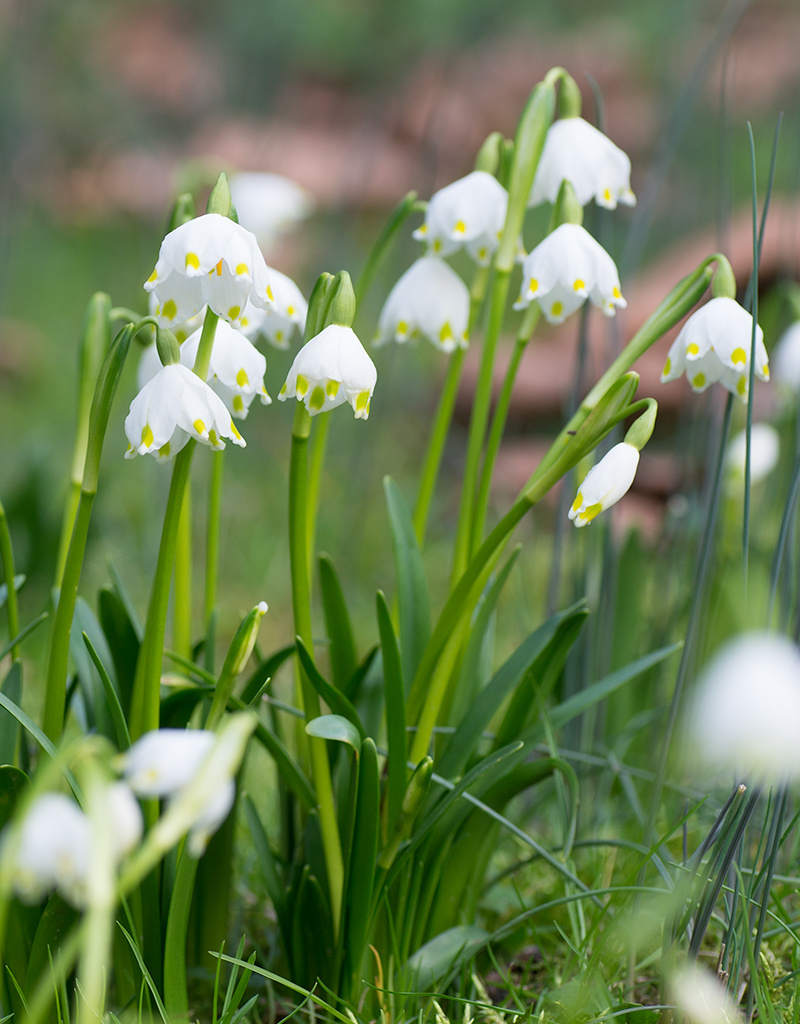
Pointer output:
x,y
330,369
605,483
165,760
430,300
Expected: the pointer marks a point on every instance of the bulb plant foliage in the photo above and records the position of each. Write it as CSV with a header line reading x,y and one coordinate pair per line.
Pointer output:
x,y
407,773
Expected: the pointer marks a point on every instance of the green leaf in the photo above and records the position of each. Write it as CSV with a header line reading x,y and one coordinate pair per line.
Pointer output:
x,y
23,633
342,649
56,921
12,783
266,670
312,931
115,709
361,866
270,870
505,681
394,698
85,622
9,728
445,953
123,642
18,581
44,742
335,699
334,727
412,588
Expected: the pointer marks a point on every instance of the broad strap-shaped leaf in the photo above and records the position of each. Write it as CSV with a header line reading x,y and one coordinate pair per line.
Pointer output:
x,y
123,642
394,701
9,727
442,955
123,737
508,677
335,699
342,649
412,588
270,870
12,784
335,727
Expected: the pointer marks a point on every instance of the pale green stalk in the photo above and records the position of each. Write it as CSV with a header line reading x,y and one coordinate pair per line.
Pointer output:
x,y
317,448
444,413
58,661
145,702
182,582
176,996
213,534
7,557
301,605
528,326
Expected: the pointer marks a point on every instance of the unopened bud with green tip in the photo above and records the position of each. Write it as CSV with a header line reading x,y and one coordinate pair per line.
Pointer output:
x,y
235,660
220,199
570,102
318,304
169,351
488,158
342,309
566,209
182,211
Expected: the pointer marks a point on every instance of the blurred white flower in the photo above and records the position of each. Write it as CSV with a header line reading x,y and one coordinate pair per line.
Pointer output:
x,y
331,369
467,213
173,406
269,205
714,345
786,359
165,760
764,451
567,267
211,261
702,997
605,483
279,322
745,715
430,300
575,151
236,368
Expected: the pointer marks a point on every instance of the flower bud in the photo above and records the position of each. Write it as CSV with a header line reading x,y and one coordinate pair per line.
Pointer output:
x,y
641,429
488,158
724,284
342,309
169,351
220,199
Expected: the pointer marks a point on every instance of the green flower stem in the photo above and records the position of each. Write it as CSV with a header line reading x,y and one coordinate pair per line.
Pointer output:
x,y
182,602
145,702
301,605
477,426
444,413
318,447
58,661
528,326
7,556
176,996
213,535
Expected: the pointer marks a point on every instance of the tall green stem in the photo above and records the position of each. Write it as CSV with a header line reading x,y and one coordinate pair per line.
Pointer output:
x,y
301,605
318,447
182,604
7,557
176,996
213,535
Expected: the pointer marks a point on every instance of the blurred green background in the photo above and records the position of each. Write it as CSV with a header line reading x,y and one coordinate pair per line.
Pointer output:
x,y
107,110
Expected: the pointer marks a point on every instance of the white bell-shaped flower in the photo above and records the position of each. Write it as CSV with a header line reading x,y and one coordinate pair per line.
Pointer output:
x,y
714,345
575,151
279,322
567,267
331,369
173,406
269,205
53,850
605,483
165,760
786,360
430,300
236,368
745,715
468,213
211,261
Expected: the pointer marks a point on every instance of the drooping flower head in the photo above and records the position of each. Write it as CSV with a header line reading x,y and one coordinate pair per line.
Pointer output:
x,y
468,213
331,369
236,368
430,300
269,205
211,261
714,345
173,406
567,267
745,716
605,483
575,151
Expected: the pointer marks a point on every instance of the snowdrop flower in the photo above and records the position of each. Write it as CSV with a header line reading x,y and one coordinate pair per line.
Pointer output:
x,y
173,406
211,261
764,450
236,368
278,323
165,760
605,483
786,359
181,330
269,204
430,300
53,850
330,369
702,997
745,717
565,269
714,345
469,212
575,151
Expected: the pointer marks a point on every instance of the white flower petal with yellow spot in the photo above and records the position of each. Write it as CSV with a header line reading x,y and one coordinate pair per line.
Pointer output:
x,y
714,345
605,483
287,315
566,268
236,366
430,300
331,369
173,406
575,151
468,213
211,261
180,330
